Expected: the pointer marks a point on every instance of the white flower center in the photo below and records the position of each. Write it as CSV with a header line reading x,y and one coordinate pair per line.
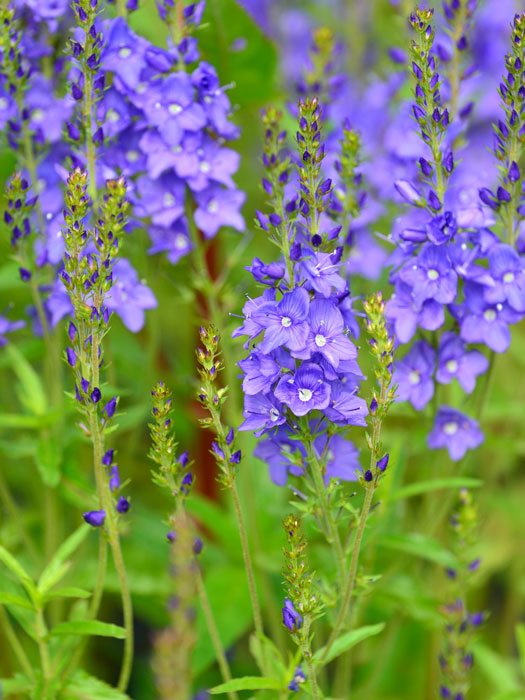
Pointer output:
x,y
204,167
180,241
452,366
320,340
489,315
141,89
508,277
3,103
132,156
124,52
213,206
286,321
113,116
414,378
305,394
432,274
174,108
38,115
274,414
450,428
169,200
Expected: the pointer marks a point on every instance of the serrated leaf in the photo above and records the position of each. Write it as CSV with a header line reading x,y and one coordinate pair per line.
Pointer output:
x,y
88,628
57,567
85,687
18,684
347,641
13,599
31,392
69,592
20,573
419,545
247,683
420,487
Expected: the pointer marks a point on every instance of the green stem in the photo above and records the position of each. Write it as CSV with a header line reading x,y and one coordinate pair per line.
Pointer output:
x,y
305,646
320,489
43,649
247,560
17,518
214,634
16,646
352,573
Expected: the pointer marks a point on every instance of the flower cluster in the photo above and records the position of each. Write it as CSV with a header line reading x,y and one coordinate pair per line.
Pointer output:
x,y
304,367
452,275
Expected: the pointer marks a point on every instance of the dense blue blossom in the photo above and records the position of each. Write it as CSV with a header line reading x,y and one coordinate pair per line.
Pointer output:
x,y
455,431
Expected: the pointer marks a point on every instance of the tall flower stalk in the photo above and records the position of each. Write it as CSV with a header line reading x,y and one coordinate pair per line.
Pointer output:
x,y
88,277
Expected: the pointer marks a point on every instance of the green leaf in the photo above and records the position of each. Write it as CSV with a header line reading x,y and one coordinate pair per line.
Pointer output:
x,y
434,485
19,421
48,459
69,592
88,627
13,599
247,683
520,640
348,640
420,546
18,684
274,658
20,573
31,392
500,671
57,566
85,687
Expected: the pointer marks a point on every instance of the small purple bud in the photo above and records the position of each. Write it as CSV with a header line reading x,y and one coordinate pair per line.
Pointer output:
x,y
197,546
229,437
109,408
107,459
77,92
172,536
84,385
122,505
476,619
71,356
262,219
433,201
72,331
184,459
514,172
407,190
25,275
383,462
95,518
236,457
275,219
368,475
474,565
426,168
96,395
114,478
373,405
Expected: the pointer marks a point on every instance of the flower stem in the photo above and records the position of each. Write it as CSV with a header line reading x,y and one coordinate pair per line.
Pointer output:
x,y
14,642
352,573
305,646
320,489
214,634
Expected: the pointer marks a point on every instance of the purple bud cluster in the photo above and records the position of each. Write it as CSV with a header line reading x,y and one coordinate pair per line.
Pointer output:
x,y
303,368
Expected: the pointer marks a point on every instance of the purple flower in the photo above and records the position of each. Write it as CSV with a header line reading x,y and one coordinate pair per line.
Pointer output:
x,y
455,431
95,518
277,452
430,275
262,413
284,322
345,407
109,408
291,617
482,322
507,270
442,228
321,272
297,680
216,207
455,361
262,371
71,356
124,52
342,458
128,297
414,375
408,191
326,334
305,391
107,459
7,326
406,315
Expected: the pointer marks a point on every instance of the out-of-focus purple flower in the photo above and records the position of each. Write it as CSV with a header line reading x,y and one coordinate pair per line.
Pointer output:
x,y
431,276
217,207
122,505
454,361
7,326
507,270
262,413
455,431
406,315
414,375
298,679
128,297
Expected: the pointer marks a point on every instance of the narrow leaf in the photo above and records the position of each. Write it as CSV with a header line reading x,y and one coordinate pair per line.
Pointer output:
x,y
20,573
347,641
434,485
13,599
420,546
247,683
69,592
53,571
31,392
88,627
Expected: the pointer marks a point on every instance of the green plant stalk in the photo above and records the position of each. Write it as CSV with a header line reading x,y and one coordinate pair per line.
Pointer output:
x,y
214,634
320,490
43,648
307,654
15,643
15,516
